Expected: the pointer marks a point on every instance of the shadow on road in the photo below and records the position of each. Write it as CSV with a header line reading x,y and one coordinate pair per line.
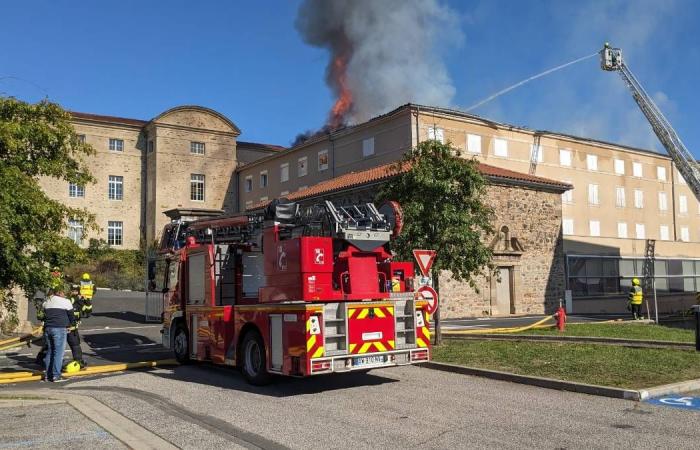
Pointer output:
x,y
230,378
128,316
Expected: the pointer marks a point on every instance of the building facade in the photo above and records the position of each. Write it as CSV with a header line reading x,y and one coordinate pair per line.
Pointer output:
x,y
190,157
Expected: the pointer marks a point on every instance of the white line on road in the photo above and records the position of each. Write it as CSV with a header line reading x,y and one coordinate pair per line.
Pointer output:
x,y
120,328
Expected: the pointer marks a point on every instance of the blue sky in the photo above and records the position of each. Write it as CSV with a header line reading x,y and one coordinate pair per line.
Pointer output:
x,y
246,60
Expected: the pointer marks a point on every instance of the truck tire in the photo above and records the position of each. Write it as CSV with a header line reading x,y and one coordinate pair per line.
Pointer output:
x,y
253,360
181,344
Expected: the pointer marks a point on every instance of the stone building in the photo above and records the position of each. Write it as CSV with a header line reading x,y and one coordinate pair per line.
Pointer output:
x,y
190,157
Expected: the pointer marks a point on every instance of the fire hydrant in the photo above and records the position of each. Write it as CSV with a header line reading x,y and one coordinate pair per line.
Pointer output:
x,y
560,317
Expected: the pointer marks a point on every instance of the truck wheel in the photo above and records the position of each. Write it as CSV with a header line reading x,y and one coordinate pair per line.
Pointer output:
x,y
254,365
181,344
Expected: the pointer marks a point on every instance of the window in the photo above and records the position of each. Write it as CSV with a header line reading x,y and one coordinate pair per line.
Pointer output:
x,y
565,157
663,233
263,179
115,188
619,167
661,173
568,196
116,145
114,232
197,187
368,147
638,198
249,183
639,231
594,227
75,231
81,138
539,150
685,234
621,230
150,146
284,172
197,148
302,167
663,201
500,147
567,226
473,143
593,194
620,200
322,160
682,204
75,191
436,133
592,162
637,169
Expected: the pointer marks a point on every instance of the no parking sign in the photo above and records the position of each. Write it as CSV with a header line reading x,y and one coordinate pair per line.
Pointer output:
x,y
430,296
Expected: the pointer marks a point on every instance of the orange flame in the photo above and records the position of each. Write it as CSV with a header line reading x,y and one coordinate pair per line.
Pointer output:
x,y
343,103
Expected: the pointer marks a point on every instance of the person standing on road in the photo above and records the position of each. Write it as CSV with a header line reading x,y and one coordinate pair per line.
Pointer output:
x,y
58,317
87,290
636,298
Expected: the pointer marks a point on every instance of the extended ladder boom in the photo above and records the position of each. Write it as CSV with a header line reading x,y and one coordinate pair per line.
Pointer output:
x,y
611,60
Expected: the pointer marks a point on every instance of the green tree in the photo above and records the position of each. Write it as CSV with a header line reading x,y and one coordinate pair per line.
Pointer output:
x,y
442,197
36,140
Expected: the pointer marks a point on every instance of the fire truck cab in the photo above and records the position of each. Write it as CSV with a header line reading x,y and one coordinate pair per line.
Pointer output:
x,y
289,291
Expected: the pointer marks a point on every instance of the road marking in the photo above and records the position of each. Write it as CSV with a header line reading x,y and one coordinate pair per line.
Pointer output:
x,y
120,328
677,402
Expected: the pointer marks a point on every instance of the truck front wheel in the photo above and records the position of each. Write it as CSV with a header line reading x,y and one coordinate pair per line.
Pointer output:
x,y
254,364
181,344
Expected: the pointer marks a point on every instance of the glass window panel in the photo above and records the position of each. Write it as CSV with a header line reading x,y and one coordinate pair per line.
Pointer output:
x,y
688,267
660,268
577,267
611,285
697,267
662,285
594,267
627,267
610,267
675,267
675,284
595,286
577,286
625,284
638,267
689,284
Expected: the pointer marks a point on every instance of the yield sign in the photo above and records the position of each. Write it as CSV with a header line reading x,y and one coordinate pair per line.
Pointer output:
x,y
425,260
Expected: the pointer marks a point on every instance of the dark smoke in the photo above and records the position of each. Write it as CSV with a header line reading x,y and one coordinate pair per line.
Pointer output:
x,y
381,51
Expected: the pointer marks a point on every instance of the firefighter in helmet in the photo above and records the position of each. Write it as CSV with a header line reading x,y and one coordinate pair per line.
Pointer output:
x,y
635,299
72,337
87,290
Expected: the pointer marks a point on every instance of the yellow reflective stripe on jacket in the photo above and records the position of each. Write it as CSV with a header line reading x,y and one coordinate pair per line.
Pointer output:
x,y
636,295
87,288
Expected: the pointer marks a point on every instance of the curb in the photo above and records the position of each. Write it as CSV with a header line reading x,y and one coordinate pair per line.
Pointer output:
x,y
548,383
580,339
673,388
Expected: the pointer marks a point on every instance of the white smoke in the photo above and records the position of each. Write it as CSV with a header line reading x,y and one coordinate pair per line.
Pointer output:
x,y
390,47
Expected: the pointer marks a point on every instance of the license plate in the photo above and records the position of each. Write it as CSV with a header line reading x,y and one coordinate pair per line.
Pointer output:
x,y
368,360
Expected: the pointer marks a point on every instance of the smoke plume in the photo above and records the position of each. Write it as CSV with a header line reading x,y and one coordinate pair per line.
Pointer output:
x,y
382,53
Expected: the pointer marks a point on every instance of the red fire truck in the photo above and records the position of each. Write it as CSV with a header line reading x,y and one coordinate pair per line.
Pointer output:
x,y
290,291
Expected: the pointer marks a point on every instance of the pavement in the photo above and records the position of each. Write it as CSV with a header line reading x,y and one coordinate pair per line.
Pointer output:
x,y
205,406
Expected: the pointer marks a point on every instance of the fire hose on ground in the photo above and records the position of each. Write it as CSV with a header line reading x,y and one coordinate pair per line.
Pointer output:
x,y
20,377
19,340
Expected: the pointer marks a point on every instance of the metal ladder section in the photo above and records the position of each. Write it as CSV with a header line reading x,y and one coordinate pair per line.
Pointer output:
x,y
648,269
335,326
535,153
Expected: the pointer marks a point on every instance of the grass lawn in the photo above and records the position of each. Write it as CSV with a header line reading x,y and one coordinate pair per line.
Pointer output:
x,y
621,330
604,365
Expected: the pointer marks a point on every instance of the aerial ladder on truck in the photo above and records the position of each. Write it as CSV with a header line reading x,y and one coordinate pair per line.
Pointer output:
x,y
611,60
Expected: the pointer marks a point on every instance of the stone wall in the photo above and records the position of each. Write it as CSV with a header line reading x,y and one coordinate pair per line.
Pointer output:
x,y
533,219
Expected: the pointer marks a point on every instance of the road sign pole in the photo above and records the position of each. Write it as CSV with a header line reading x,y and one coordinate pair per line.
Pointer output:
x,y
438,329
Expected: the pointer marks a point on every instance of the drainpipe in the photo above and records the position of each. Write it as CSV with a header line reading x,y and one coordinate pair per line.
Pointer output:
x,y
673,201
417,126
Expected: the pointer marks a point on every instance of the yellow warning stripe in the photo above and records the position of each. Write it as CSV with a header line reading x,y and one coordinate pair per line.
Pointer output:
x,y
426,333
318,353
391,344
366,346
379,313
311,342
379,346
364,313
421,342
352,347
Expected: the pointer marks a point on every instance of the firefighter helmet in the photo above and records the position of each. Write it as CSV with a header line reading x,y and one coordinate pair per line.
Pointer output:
x,y
72,367
86,276
635,281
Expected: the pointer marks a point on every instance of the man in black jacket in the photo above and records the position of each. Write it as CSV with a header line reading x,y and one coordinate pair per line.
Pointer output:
x,y
58,317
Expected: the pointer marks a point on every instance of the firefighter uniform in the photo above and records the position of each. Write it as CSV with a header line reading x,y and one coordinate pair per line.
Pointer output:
x,y
87,290
636,298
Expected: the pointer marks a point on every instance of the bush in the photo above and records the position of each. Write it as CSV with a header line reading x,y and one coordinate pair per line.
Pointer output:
x,y
110,268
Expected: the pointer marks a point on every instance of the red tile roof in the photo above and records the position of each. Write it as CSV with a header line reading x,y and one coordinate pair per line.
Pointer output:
x,y
110,119
386,171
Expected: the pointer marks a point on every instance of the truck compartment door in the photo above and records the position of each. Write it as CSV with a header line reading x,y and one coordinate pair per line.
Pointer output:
x,y
370,328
